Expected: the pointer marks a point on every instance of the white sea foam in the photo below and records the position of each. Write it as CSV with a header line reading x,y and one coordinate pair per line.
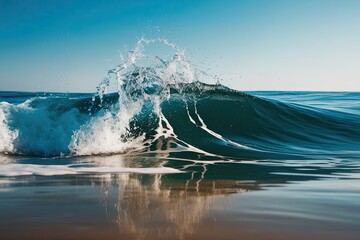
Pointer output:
x,y
39,130
11,170
106,134
7,136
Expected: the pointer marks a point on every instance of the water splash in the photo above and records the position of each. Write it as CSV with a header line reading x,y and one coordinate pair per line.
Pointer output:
x,y
137,85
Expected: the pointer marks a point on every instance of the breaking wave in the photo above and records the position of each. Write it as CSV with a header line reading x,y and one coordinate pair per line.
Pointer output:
x,y
163,105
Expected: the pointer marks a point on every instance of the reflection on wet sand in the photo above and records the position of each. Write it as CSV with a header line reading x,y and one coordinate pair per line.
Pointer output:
x,y
175,205
149,206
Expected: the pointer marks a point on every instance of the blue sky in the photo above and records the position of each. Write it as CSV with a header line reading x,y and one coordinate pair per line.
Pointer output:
x,y
253,45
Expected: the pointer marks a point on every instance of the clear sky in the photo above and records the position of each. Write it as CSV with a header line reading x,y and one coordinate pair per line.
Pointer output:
x,y
68,45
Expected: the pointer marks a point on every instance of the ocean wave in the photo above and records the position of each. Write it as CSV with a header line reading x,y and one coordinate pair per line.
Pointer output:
x,y
165,106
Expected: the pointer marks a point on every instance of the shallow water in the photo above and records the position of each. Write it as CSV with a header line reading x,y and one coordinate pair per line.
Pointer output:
x,y
230,202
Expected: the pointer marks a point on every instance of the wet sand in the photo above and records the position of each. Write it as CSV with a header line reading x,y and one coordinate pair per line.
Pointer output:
x,y
136,206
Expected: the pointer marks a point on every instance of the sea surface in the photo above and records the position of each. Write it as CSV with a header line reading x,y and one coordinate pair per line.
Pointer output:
x,y
166,156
